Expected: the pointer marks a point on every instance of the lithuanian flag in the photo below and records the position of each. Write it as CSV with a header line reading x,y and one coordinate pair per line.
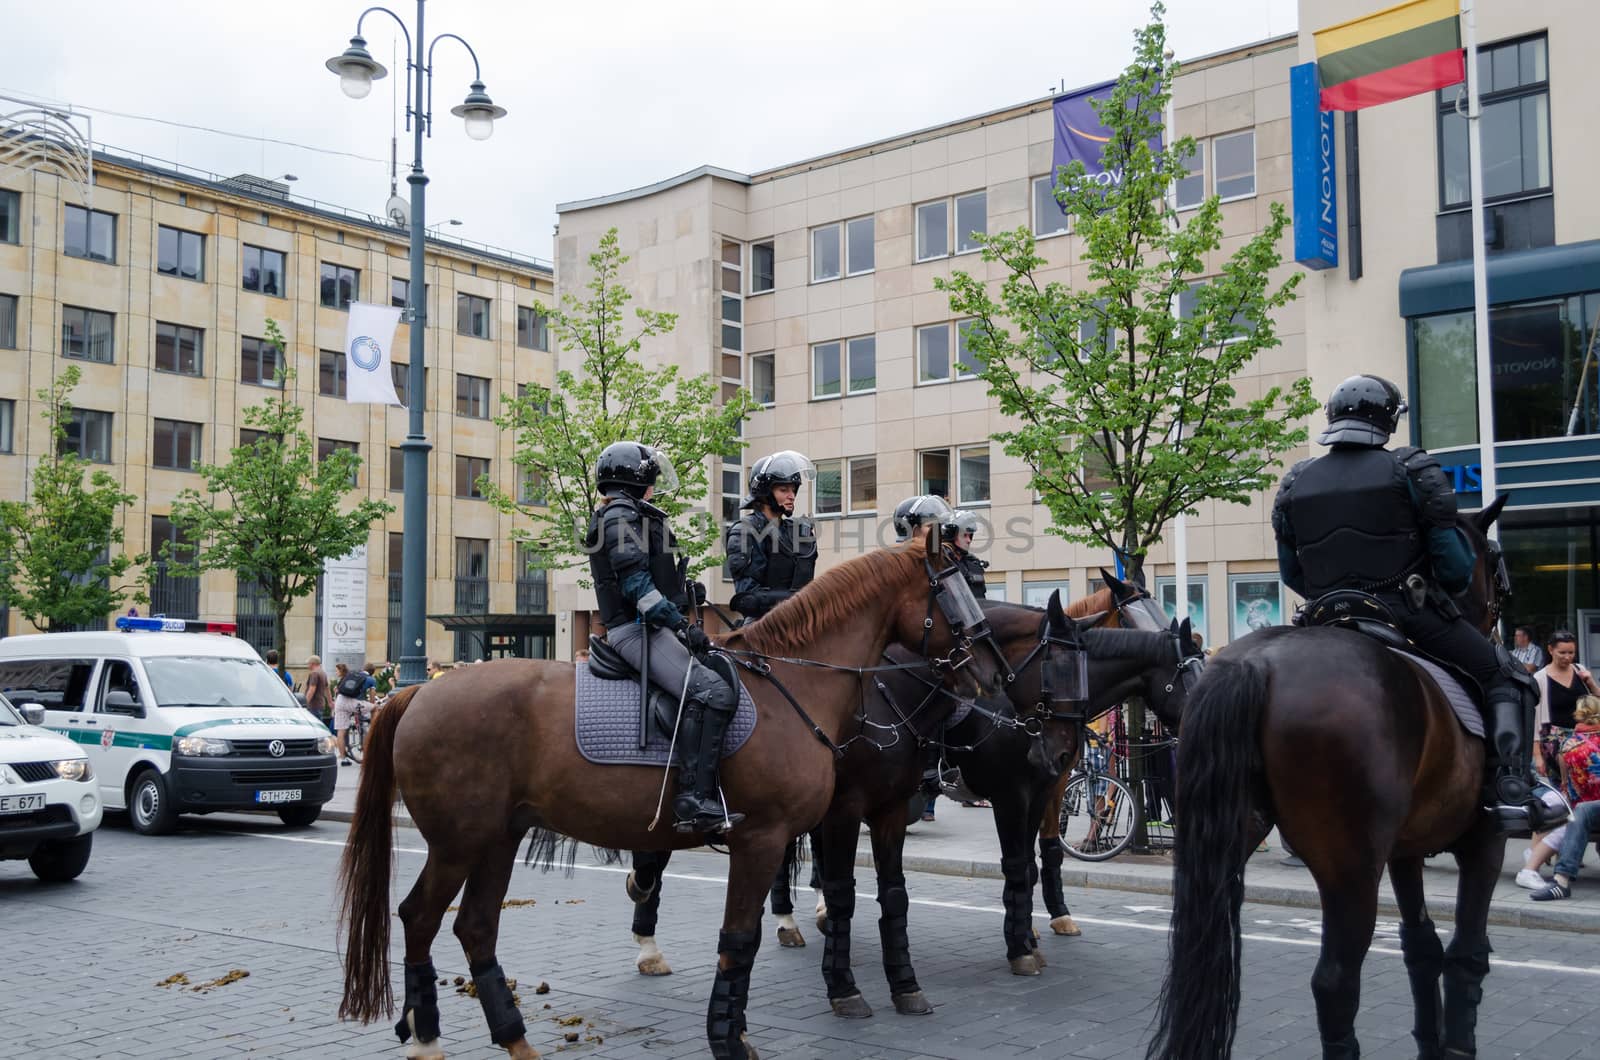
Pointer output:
x,y
1402,51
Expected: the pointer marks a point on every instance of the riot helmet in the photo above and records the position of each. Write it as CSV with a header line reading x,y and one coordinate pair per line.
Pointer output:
x,y
632,467
957,521
913,512
1363,410
787,468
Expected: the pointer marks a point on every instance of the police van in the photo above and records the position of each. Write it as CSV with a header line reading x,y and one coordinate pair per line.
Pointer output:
x,y
175,721
49,807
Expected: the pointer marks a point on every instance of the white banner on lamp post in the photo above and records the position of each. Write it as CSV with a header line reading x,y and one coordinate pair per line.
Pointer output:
x,y
367,341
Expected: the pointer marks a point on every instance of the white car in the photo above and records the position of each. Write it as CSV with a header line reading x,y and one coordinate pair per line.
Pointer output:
x,y
49,805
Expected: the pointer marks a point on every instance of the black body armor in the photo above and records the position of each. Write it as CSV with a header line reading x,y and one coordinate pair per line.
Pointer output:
x,y
770,561
972,569
627,535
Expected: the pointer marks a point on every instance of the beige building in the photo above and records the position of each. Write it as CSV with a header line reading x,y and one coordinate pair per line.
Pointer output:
x,y
159,288
813,286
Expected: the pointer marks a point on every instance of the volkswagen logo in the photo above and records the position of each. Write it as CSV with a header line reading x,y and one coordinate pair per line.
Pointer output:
x,y
275,748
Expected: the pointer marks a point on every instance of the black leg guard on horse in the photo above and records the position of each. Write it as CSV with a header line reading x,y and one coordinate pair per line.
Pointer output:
x,y
1017,897
505,1022
1424,957
781,900
730,992
1052,853
840,896
648,869
893,903
1464,969
422,1004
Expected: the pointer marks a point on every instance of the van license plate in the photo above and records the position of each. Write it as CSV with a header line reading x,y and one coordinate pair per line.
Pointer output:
x,y
21,803
284,795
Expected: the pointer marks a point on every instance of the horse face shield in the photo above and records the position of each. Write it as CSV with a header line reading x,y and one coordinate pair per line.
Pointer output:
x,y
1066,677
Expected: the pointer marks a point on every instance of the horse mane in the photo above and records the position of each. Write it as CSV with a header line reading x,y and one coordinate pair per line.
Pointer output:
x,y
832,598
1097,601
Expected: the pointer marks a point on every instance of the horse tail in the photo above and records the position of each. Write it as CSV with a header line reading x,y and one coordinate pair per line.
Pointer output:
x,y
1219,775
364,872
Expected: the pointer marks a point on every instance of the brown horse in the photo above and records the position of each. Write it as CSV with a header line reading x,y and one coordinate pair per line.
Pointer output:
x,y
1356,755
489,754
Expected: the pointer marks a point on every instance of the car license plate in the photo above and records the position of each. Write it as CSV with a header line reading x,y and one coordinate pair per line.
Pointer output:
x,y
21,803
282,795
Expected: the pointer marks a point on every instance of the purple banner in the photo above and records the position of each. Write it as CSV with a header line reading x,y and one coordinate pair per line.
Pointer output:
x,y
1080,137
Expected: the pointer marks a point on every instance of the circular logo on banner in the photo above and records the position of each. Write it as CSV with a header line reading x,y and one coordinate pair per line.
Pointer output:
x,y
366,354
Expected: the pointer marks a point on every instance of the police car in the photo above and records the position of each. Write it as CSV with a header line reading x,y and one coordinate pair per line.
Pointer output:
x,y
174,720
49,807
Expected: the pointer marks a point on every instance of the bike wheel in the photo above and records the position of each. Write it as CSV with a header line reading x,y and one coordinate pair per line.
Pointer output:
x,y
1097,827
355,740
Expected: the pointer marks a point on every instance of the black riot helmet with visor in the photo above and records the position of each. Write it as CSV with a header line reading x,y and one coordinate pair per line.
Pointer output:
x,y
958,521
1363,410
786,468
633,467
914,512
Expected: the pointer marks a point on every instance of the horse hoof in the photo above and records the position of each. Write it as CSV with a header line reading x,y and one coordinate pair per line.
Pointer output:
x,y
1065,925
637,894
912,1004
749,1050
790,938
521,1050
1038,958
426,1050
655,965
822,917
1024,965
854,1007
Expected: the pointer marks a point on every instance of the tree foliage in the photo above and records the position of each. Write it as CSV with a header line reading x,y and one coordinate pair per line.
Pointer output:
x,y
561,431
61,564
1128,411
273,512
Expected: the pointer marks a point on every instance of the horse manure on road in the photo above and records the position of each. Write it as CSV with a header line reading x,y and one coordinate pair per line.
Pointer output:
x,y
542,988
179,979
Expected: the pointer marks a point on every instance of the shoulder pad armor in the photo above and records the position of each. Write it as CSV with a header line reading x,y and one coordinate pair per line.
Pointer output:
x,y
755,520
1435,492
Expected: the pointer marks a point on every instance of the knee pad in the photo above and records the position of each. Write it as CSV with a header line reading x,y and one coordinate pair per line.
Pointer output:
x,y
421,1004
893,901
505,1022
708,687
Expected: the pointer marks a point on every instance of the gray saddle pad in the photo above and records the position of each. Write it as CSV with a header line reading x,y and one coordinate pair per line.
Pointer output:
x,y
608,723
1460,700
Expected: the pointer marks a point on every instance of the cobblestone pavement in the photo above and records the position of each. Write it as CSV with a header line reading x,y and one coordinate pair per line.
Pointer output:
x,y
83,966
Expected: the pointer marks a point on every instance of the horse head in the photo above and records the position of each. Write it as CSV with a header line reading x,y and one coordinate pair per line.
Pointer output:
x,y
939,618
1484,598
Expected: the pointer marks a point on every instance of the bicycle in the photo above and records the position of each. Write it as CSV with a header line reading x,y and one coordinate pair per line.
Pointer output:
x,y
1098,806
355,736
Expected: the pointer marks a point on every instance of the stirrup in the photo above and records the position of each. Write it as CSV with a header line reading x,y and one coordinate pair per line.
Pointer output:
x,y
710,823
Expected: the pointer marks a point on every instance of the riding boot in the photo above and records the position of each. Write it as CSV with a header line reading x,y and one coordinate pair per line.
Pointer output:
x,y
1508,793
698,807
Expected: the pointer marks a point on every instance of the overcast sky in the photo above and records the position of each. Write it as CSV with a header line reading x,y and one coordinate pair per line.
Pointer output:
x,y
603,95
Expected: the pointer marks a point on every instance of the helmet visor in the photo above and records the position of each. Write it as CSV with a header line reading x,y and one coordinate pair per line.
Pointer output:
x,y
666,475
785,465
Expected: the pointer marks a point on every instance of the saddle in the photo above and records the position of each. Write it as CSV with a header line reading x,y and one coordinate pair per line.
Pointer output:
x,y
606,663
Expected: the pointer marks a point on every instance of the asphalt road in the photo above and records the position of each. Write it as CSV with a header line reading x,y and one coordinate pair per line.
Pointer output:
x,y
82,966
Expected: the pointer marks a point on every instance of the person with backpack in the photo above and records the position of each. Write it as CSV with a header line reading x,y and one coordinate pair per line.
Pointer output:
x,y
349,695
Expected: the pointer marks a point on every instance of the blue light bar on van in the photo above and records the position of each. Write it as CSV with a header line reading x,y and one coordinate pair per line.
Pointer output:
x,y
174,625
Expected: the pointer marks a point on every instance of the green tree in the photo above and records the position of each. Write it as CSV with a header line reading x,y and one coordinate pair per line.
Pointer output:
x,y
60,560
273,512
1124,389
559,432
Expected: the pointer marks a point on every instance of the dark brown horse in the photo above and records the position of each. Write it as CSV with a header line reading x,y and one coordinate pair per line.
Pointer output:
x,y
485,756
1356,756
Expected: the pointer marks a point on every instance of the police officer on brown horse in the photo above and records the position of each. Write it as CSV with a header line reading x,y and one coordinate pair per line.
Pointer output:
x,y
1383,522
772,554
957,529
641,592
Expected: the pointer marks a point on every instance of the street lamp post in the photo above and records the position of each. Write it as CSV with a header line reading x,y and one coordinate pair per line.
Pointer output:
x,y
357,70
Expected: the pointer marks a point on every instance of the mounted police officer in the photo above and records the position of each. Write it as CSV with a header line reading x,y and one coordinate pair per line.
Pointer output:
x,y
641,592
771,553
913,513
1383,522
957,530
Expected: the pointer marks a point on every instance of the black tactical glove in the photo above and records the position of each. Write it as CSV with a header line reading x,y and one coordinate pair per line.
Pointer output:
x,y
698,591
696,640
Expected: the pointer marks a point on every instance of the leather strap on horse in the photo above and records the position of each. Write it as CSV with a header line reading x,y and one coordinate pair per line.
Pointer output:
x,y
762,669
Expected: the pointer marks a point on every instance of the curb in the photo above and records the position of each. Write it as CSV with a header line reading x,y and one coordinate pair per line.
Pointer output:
x,y
1586,922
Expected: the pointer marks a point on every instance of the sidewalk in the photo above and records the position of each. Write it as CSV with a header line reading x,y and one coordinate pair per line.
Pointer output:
x,y
961,842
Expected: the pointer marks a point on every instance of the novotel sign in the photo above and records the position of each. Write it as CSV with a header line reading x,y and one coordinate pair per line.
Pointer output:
x,y
1316,194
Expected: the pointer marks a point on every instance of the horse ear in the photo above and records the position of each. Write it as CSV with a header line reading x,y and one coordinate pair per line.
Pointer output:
x,y
1117,586
1185,630
1486,518
1052,608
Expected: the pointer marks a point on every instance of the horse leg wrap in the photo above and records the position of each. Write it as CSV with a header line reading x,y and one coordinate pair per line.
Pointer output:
x,y
730,991
1052,853
781,900
422,1004
893,903
841,898
1017,897
1464,968
505,1022
1424,957
648,869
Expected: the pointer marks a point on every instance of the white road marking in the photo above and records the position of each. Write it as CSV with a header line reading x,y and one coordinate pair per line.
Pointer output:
x,y
1531,966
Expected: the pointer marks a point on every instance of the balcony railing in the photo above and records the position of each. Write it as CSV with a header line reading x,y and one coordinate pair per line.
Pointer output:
x,y
472,596
533,596
175,596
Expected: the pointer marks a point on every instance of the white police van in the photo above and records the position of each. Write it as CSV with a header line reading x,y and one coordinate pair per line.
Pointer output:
x,y
175,721
49,807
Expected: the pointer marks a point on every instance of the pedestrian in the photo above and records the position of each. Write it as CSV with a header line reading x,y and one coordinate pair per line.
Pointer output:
x,y
1580,774
319,695
1561,684
434,669
281,671
1525,651
349,695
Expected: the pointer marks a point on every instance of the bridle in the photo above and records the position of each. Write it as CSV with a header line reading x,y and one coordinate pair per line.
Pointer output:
x,y
1499,580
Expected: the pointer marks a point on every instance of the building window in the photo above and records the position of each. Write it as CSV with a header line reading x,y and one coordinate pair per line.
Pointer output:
x,y
862,356
857,374
10,230
933,354
533,591
933,230
472,396
249,439
8,415
933,473
532,488
180,253
825,370
253,611
399,292
763,267
397,468
263,270
401,376
826,254
90,234
88,434
1049,218
763,379
971,464
1189,191
326,447
1514,89
860,252
472,316
828,491
1189,302
259,362
396,565
86,334
472,575
330,373
340,285
177,445
1091,334
863,489
8,321
172,595
967,363
972,221
178,349
533,328
468,470
732,296
1233,158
